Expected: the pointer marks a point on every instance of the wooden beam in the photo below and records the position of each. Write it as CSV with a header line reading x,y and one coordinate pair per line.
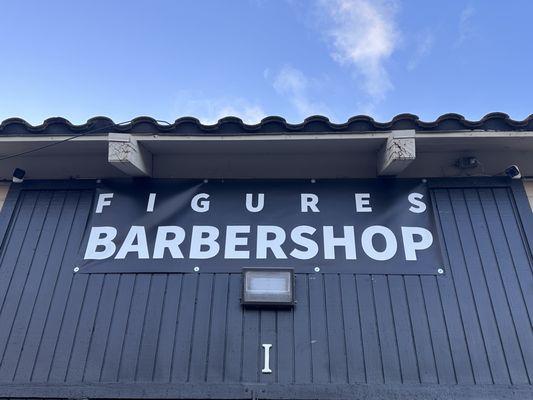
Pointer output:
x,y
126,154
397,153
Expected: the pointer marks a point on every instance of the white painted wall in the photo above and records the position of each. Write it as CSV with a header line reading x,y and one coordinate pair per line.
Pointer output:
x,y
528,184
4,188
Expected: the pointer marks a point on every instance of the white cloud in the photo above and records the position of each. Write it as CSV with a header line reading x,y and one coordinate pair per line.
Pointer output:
x,y
466,29
424,44
293,84
364,36
210,110
290,80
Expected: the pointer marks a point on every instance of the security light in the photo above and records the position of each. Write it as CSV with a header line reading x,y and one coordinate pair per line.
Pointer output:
x,y
18,175
268,287
513,172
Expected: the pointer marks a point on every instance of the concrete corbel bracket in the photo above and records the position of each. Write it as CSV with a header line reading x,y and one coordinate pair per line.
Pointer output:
x,y
397,153
129,156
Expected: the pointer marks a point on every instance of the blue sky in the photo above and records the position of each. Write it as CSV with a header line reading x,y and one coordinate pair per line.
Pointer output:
x,y
252,58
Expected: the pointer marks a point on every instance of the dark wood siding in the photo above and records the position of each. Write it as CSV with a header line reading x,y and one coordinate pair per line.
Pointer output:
x,y
471,326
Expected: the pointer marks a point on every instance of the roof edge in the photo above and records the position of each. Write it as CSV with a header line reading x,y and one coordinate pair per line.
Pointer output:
x,y
230,125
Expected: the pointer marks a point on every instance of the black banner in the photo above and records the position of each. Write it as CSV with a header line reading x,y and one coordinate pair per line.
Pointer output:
x,y
331,226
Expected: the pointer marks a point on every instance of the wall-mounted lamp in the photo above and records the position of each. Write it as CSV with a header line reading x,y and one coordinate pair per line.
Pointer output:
x,y
268,287
513,172
18,175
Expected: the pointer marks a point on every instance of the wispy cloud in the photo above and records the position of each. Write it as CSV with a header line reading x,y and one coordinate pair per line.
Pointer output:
x,y
424,44
466,29
294,85
210,110
363,35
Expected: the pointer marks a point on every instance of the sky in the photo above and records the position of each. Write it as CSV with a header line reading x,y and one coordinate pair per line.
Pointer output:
x,y
253,58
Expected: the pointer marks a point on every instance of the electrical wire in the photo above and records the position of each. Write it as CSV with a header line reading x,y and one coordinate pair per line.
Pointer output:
x,y
22,153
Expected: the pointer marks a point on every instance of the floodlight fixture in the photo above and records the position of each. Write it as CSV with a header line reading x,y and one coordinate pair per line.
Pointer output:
x,y
513,172
267,287
18,175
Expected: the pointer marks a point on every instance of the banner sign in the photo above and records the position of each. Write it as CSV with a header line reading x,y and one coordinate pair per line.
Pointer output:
x,y
332,226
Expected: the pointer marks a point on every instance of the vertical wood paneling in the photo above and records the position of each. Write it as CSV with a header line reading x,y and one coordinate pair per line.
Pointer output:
x,y
67,329
303,366
462,289
335,329
217,331
251,362
386,331
438,331
284,351
202,325
421,335
510,264
117,331
233,332
510,349
404,330
455,329
370,335
21,218
47,244
51,278
151,329
21,259
470,325
134,328
167,330
182,341
41,368
521,256
476,275
352,330
319,330
84,329
102,325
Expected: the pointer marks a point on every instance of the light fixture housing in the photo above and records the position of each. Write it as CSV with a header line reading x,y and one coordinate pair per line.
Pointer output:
x,y
513,172
268,287
18,175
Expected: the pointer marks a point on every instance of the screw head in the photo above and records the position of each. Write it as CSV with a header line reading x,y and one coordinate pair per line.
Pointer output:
x,y
313,180
317,269
206,180
196,269
440,271
424,180
76,269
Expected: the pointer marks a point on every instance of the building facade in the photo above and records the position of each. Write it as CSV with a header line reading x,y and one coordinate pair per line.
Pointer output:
x,y
401,316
